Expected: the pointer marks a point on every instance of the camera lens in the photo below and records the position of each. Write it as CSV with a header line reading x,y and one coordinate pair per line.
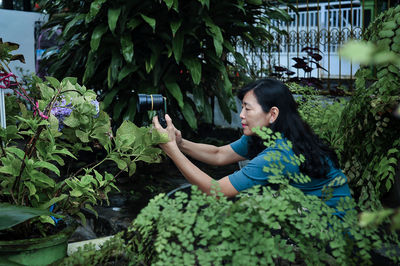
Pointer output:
x,y
149,102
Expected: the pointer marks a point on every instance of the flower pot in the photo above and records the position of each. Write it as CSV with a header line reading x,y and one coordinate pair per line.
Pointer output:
x,y
36,251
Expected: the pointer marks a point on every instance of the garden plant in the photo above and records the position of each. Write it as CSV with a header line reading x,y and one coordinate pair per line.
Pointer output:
x,y
204,230
369,128
263,226
189,47
184,50
45,177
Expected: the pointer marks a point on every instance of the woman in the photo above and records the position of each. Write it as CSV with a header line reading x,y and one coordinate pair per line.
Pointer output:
x,y
266,102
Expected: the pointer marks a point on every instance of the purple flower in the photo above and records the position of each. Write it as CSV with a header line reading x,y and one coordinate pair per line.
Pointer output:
x,y
97,105
61,110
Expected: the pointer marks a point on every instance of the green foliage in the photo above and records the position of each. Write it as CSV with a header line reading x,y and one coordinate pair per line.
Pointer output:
x,y
113,251
181,49
6,56
366,53
261,226
322,113
368,128
12,215
37,151
12,108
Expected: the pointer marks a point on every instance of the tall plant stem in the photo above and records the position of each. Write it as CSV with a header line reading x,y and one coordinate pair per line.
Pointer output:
x,y
30,147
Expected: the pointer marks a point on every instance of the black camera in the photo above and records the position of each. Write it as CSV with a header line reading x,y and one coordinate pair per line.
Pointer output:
x,y
153,102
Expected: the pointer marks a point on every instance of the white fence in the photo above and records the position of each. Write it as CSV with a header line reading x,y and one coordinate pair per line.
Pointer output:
x,y
324,25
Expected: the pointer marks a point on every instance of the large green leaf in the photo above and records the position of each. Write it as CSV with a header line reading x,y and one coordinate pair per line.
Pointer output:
x,y
150,21
47,165
73,23
133,23
177,45
194,66
109,97
196,30
41,179
117,110
126,133
127,48
12,215
205,3
130,113
20,153
53,82
96,36
169,3
113,14
216,34
113,68
189,115
72,120
95,7
175,26
126,71
46,91
153,57
31,187
175,90
53,200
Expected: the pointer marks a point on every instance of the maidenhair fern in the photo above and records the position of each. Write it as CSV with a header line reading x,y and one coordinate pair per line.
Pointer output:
x,y
261,226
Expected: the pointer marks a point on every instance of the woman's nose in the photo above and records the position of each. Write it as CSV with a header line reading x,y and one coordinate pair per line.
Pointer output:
x,y
241,115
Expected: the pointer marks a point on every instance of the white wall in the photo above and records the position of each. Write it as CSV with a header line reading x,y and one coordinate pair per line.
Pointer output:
x,y
19,27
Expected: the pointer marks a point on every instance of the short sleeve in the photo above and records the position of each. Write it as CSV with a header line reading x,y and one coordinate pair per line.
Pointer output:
x,y
250,175
271,162
241,146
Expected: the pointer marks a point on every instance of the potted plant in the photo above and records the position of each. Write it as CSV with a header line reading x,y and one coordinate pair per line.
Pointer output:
x,y
43,182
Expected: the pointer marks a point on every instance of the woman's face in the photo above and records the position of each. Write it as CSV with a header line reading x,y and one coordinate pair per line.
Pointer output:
x,y
252,115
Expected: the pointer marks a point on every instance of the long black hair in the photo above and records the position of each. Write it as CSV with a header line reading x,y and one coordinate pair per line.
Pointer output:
x,y
270,92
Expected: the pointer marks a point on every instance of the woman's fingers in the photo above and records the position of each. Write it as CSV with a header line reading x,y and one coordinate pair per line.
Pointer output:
x,y
170,130
178,137
169,121
156,123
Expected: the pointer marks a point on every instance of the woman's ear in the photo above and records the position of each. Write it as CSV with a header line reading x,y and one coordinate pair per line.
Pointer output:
x,y
274,113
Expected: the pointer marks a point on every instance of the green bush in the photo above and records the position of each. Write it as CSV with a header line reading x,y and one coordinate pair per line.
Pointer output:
x,y
261,226
181,49
322,113
369,130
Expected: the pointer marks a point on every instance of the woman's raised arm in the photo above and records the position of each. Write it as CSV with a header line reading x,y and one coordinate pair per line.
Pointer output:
x,y
209,154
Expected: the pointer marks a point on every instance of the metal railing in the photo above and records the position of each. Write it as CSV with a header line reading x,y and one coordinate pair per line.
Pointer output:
x,y
322,26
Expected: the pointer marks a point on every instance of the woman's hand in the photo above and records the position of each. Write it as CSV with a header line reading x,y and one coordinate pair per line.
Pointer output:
x,y
170,130
178,137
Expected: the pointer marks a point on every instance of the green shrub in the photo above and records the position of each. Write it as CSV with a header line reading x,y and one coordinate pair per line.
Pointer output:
x,y
181,49
261,226
322,113
369,130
